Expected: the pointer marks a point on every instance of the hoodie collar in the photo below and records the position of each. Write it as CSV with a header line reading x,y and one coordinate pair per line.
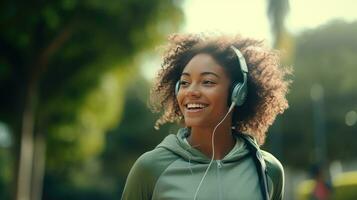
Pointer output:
x,y
177,145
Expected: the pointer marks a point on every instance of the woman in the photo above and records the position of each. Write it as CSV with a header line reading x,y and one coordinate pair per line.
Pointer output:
x,y
226,92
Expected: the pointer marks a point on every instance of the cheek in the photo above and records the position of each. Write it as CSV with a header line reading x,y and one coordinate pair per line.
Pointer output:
x,y
220,97
221,104
179,99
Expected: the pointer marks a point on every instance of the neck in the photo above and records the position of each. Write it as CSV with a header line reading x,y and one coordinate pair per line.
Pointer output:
x,y
201,139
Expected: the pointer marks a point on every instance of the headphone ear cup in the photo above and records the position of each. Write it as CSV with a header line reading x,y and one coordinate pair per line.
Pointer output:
x,y
177,87
239,94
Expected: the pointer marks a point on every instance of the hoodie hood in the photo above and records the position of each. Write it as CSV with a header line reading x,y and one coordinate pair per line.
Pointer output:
x,y
176,144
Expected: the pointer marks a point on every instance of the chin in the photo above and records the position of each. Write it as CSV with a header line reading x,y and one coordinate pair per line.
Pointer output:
x,y
196,123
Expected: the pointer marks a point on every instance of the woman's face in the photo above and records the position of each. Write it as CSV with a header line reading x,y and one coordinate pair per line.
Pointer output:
x,y
203,93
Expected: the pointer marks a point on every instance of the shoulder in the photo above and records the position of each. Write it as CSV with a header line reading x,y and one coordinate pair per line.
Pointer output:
x,y
155,159
153,163
275,172
146,170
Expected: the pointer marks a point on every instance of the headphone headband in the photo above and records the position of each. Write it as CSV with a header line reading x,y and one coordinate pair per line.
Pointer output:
x,y
243,64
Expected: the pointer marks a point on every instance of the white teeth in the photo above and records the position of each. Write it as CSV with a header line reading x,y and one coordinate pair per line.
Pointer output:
x,y
195,105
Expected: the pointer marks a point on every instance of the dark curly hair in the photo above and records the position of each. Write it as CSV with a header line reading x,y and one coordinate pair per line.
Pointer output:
x,y
267,82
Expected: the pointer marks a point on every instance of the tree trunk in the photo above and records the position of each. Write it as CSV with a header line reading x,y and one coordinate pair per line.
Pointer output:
x,y
26,180
26,147
38,166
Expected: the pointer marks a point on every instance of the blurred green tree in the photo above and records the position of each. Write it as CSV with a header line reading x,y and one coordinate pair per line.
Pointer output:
x,y
103,176
63,69
277,11
325,56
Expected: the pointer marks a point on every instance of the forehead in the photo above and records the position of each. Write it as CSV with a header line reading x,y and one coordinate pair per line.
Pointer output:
x,y
204,62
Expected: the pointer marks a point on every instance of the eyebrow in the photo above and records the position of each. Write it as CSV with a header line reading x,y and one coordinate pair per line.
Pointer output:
x,y
202,74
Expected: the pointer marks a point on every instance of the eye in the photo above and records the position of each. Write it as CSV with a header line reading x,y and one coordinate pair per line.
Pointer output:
x,y
208,82
184,83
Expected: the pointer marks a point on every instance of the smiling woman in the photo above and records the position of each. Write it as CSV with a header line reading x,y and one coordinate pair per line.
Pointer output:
x,y
226,92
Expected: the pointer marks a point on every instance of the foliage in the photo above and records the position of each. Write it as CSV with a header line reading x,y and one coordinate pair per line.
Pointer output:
x,y
124,144
324,56
77,57
5,173
134,136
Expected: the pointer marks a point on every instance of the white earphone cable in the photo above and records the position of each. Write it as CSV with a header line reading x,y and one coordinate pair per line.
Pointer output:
x,y
212,158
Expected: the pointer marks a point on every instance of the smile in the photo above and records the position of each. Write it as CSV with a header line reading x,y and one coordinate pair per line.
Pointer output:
x,y
195,107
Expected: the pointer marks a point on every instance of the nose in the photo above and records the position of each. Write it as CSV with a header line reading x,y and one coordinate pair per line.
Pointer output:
x,y
193,91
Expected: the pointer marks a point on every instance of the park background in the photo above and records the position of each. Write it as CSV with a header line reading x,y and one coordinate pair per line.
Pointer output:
x,y
75,78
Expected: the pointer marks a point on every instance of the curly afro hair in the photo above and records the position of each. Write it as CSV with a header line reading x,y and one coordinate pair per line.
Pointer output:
x,y
267,82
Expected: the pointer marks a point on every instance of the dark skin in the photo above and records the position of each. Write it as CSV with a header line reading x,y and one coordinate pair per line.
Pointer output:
x,y
202,100
224,142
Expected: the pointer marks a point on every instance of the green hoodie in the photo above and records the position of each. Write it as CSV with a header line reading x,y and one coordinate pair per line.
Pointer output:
x,y
174,169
